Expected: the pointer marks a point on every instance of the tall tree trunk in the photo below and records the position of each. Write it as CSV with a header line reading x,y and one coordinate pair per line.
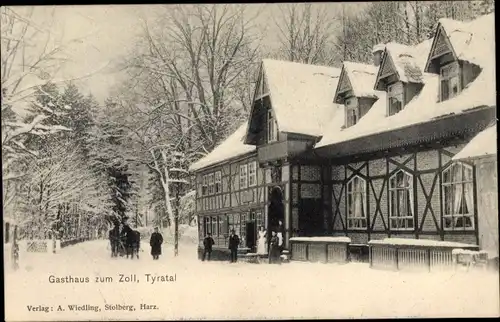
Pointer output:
x,y
407,25
344,55
176,221
417,21
15,250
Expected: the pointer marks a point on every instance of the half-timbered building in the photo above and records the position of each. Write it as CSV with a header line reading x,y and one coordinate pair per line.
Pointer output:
x,y
364,151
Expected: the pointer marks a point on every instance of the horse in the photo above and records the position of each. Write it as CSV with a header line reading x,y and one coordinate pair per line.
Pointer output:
x,y
114,240
133,244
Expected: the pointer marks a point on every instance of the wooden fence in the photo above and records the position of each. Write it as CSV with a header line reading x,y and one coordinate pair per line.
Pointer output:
x,y
47,245
400,255
318,249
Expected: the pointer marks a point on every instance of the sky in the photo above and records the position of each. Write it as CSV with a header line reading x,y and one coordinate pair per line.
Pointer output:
x,y
108,32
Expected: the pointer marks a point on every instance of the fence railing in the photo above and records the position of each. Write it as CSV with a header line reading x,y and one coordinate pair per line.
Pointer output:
x,y
48,245
320,249
403,254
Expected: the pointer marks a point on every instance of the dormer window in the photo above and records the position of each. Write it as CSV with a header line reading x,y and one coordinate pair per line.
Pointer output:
x,y
395,98
272,133
352,111
450,81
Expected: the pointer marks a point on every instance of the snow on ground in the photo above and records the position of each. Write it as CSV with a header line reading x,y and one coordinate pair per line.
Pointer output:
x,y
220,290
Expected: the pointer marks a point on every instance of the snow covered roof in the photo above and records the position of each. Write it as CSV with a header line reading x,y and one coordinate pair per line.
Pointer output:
x,y
483,144
302,95
233,146
362,77
378,47
471,41
425,106
301,92
409,61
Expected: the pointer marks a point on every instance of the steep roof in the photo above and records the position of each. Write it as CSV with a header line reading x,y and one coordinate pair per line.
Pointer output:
x,y
409,61
362,77
231,147
425,106
471,41
483,144
301,95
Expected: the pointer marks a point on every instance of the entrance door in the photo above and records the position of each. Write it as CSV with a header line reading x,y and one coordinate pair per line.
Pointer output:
x,y
276,211
251,231
310,217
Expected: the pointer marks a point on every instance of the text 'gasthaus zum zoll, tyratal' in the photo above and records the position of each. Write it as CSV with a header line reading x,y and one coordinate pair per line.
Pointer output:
x,y
120,278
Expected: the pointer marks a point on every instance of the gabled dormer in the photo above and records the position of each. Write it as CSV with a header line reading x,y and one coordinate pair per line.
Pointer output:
x,y
399,75
292,103
262,127
353,93
444,60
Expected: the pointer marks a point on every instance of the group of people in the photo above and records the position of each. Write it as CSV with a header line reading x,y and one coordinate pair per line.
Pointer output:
x,y
275,245
126,241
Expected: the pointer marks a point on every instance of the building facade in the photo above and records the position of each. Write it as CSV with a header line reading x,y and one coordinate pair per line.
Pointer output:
x,y
365,151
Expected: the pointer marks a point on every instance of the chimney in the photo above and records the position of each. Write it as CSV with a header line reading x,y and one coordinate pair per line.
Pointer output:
x,y
378,52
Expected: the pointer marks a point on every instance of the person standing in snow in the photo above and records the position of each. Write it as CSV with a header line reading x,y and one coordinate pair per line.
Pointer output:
x,y
261,243
155,243
208,242
274,251
234,242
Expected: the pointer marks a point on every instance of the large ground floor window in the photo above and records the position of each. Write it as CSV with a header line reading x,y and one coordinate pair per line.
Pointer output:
x,y
220,226
458,197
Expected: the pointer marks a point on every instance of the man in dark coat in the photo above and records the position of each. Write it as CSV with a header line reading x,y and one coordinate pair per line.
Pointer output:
x,y
155,242
208,242
234,242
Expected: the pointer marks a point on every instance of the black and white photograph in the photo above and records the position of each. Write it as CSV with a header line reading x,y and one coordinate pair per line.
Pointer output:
x,y
249,161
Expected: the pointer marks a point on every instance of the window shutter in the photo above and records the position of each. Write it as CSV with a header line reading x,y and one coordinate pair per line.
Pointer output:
x,y
445,92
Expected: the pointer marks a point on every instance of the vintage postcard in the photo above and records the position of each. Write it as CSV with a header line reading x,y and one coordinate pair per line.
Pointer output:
x,y
249,161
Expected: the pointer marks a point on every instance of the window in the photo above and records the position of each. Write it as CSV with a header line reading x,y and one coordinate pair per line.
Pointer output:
x,y
206,220
243,176
220,223
259,220
223,229
230,222
352,111
272,131
243,227
458,199
356,203
211,184
234,223
214,226
450,81
218,182
395,98
401,201
252,174
204,186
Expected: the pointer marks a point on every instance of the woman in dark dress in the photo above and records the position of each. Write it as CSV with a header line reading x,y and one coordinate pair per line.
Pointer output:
x,y
274,251
155,242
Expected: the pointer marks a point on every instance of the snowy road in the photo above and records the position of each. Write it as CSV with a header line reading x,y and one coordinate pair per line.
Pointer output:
x,y
222,290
